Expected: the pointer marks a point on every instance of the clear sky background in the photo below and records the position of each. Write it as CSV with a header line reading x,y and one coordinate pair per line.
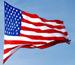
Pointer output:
x,y
60,54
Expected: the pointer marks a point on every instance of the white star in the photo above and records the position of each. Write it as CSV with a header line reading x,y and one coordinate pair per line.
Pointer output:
x,y
12,23
14,27
10,7
5,4
12,11
16,10
16,16
9,22
13,8
20,17
17,25
13,14
6,28
20,12
17,33
5,31
8,25
6,8
18,28
12,17
9,10
8,19
13,32
16,21
11,29
9,32
9,16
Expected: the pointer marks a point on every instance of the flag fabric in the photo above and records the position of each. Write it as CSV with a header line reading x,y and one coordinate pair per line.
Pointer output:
x,y
25,30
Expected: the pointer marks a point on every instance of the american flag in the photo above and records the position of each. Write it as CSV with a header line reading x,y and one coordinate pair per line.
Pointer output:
x,y
25,30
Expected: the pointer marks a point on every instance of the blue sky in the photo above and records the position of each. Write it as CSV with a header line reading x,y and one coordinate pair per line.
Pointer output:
x,y
61,54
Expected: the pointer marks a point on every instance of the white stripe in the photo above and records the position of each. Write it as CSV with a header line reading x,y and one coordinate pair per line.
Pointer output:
x,y
62,30
36,27
37,45
12,51
10,45
39,20
40,27
24,39
53,23
31,19
42,34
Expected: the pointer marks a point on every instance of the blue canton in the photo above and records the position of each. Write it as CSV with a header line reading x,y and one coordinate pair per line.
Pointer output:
x,y
13,17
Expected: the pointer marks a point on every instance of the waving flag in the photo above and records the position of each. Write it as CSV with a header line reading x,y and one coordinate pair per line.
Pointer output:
x,y
25,30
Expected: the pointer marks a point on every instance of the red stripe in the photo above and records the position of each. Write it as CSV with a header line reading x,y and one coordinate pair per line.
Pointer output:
x,y
43,31
52,44
22,42
32,43
8,49
36,16
30,15
43,24
56,21
36,24
42,38
4,60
